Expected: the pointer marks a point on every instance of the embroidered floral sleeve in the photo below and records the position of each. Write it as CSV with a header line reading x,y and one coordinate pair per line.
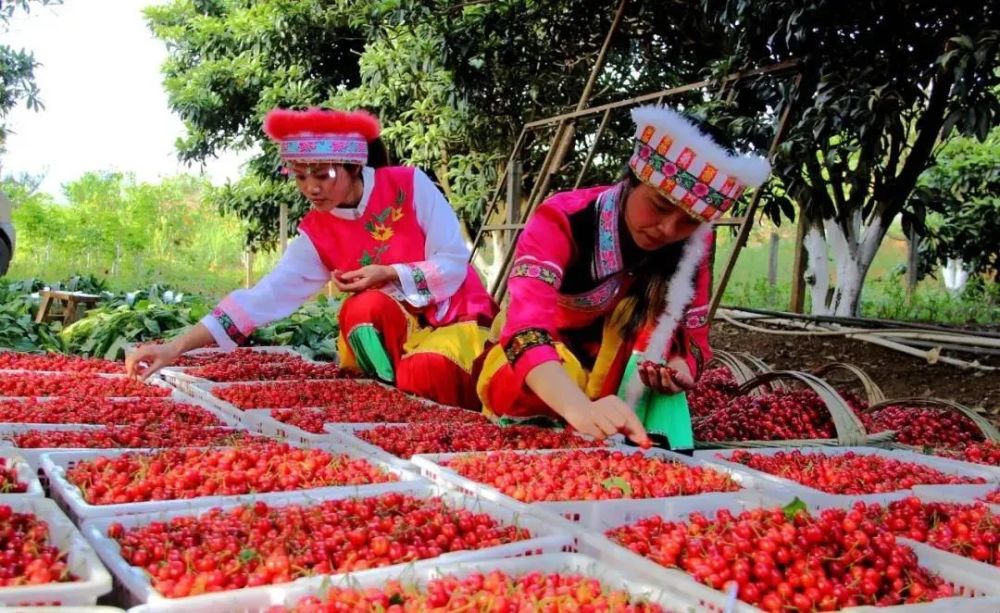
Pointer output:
x,y
542,254
435,279
298,276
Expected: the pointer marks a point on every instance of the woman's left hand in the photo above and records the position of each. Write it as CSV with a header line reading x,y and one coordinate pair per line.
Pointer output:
x,y
366,277
672,378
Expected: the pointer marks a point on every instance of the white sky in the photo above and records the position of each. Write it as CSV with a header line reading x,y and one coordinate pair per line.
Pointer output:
x,y
105,107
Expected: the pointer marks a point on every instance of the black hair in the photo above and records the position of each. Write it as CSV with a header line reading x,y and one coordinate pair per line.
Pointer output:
x,y
378,153
647,294
378,157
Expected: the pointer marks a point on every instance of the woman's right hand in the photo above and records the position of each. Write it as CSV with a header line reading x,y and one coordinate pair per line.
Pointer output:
x,y
150,358
605,417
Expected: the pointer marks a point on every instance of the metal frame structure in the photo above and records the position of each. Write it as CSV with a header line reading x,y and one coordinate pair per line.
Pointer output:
x,y
509,211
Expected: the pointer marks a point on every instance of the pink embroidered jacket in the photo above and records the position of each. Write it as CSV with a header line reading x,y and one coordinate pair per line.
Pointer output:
x,y
571,269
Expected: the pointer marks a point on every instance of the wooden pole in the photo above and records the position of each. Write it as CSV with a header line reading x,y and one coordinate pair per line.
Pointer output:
x,y
796,303
741,239
561,143
248,261
593,148
283,225
513,205
912,263
772,260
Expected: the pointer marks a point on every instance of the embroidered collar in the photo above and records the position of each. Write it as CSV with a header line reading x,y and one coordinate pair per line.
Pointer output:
x,y
607,253
368,181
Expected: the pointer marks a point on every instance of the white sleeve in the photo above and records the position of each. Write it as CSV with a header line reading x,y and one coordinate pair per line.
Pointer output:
x,y
437,278
299,275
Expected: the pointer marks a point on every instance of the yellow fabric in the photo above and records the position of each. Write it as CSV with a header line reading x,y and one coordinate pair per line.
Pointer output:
x,y
461,343
497,328
590,382
497,359
347,357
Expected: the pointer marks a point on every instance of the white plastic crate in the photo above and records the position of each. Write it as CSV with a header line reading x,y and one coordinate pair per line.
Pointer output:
x,y
967,577
768,481
69,497
348,435
181,377
258,600
992,471
81,560
154,381
270,426
24,472
204,393
249,416
963,494
99,609
431,466
175,395
33,455
262,421
133,586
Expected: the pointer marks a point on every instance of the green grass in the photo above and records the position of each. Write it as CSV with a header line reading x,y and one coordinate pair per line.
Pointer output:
x,y
884,294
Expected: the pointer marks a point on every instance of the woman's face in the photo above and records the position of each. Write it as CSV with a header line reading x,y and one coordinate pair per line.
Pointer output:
x,y
654,221
326,186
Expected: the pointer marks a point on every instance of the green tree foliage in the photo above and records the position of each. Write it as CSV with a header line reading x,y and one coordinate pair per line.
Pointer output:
x,y
17,66
452,82
882,85
962,191
132,232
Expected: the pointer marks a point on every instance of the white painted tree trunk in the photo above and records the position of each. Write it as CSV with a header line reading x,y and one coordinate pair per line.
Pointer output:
x,y
817,270
852,254
955,275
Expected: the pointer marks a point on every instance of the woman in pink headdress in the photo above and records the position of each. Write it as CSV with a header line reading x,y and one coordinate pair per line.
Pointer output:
x,y
417,314
604,273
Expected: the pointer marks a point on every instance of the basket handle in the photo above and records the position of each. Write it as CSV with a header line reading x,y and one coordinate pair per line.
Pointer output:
x,y
850,430
989,431
761,367
739,369
872,390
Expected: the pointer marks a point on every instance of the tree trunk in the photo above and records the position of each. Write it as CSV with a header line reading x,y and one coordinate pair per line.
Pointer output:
x,y
852,251
955,275
817,270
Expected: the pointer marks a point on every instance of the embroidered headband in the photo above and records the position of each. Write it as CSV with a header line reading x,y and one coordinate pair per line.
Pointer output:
x,y
322,136
673,156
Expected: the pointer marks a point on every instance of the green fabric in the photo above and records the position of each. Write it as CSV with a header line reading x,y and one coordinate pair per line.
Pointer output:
x,y
366,343
661,414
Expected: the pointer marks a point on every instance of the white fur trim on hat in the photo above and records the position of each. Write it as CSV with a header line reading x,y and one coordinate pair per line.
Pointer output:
x,y
751,170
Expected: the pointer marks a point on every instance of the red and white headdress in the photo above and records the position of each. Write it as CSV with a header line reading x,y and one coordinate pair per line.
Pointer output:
x,y
673,156
322,136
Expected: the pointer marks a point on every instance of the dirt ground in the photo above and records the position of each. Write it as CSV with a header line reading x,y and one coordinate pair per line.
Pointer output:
x,y
896,373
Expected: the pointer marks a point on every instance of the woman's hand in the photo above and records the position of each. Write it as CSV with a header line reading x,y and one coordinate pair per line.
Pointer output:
x,y
672,378
605,417
154,357
366,277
